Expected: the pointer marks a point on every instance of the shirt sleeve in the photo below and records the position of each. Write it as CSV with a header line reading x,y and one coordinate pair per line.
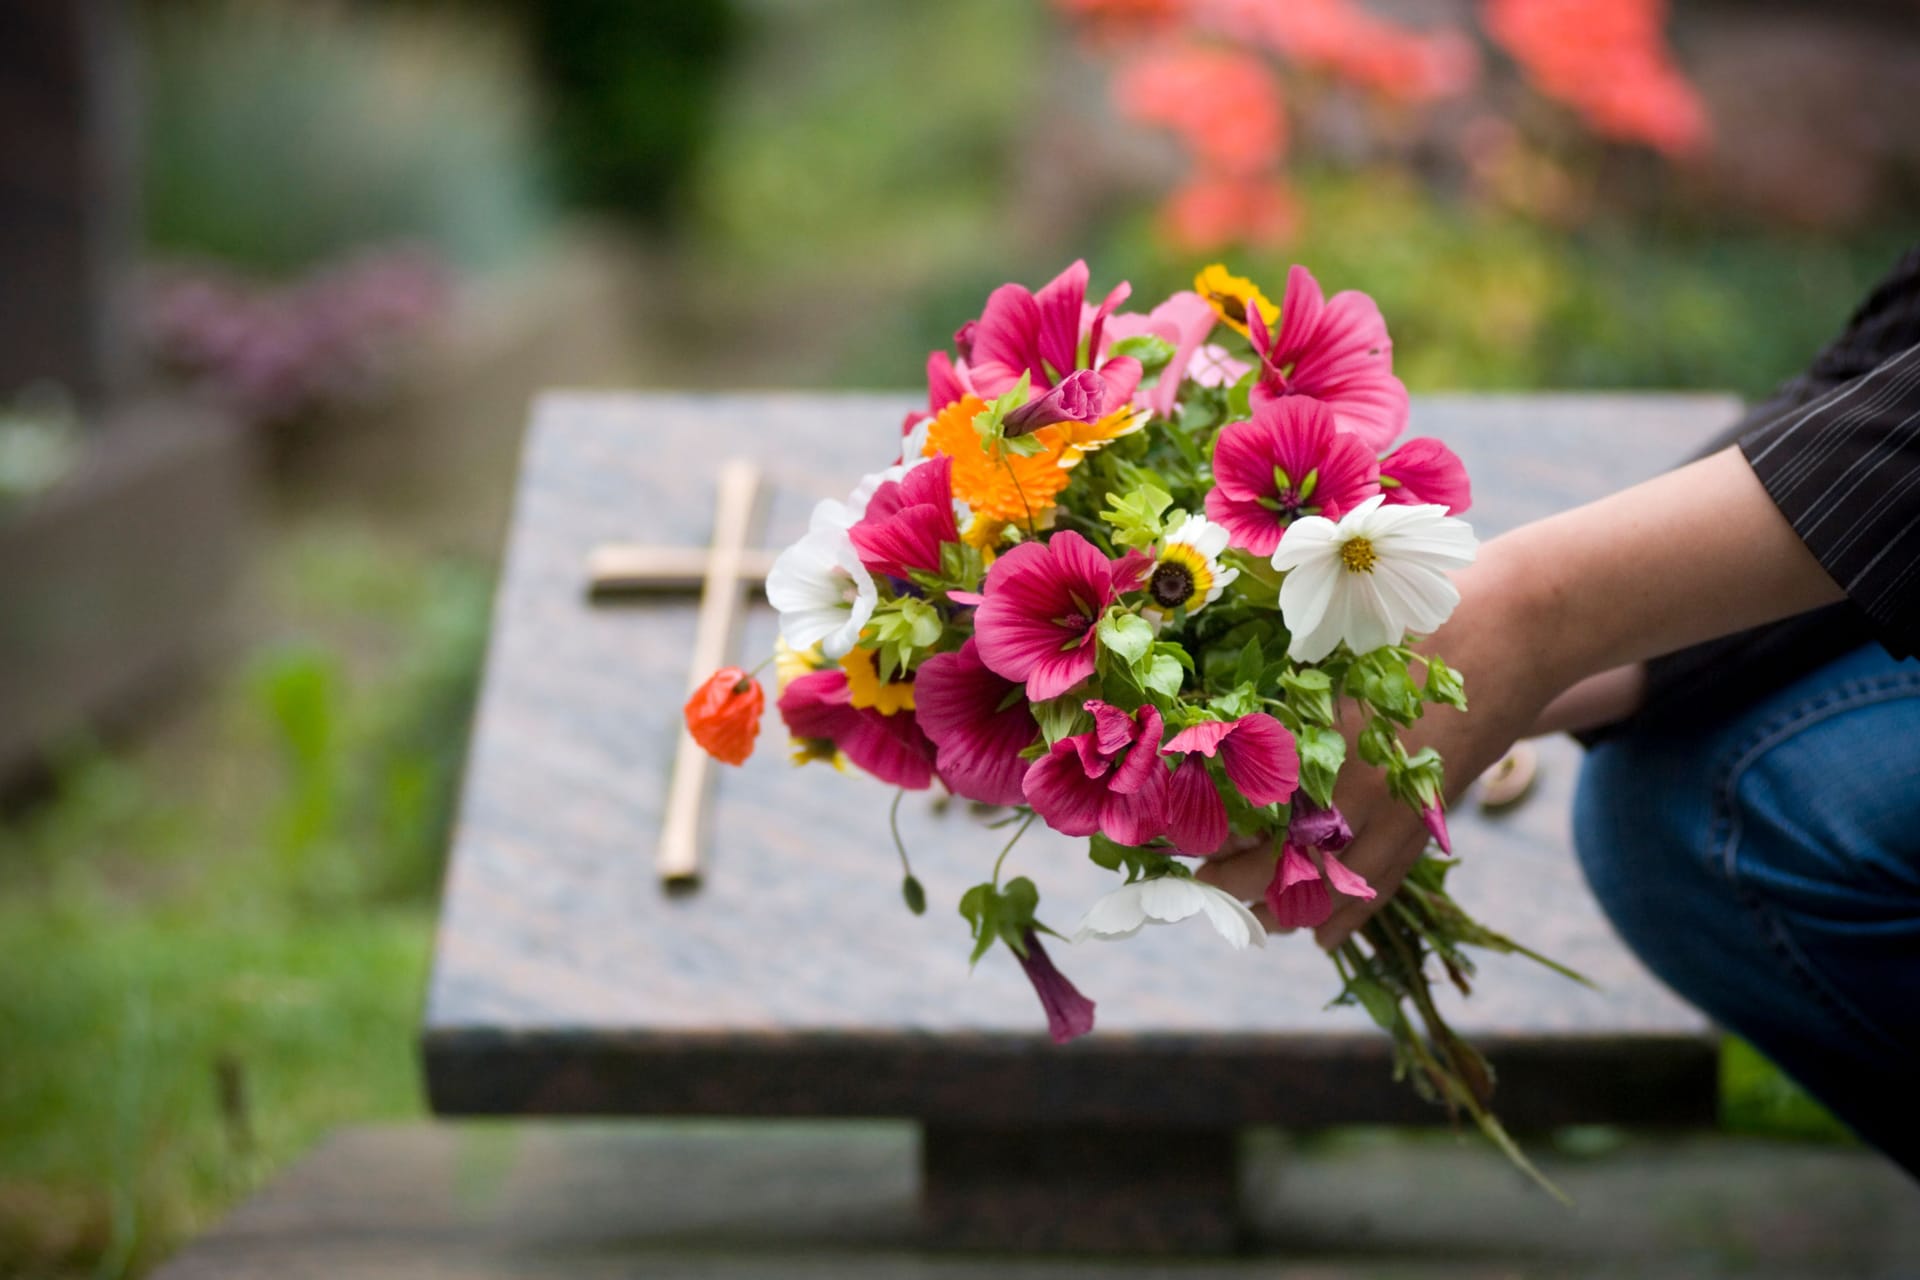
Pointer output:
x,y
1844,468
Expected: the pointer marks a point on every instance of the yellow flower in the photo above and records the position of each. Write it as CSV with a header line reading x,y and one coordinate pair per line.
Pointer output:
x,y
809,750
1078,439
997,484
789,663
1230,296
865,688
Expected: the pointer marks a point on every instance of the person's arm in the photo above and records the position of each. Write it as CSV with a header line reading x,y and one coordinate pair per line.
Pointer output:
x,y
1693,554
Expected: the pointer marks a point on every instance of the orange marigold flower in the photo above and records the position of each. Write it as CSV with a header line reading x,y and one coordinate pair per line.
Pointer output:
x,y
998,483
723,715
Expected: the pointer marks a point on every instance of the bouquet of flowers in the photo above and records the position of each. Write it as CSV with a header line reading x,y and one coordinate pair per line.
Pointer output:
x,y
1151,579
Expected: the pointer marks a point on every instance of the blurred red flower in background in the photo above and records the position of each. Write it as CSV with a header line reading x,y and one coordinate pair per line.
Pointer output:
x,y
1210,73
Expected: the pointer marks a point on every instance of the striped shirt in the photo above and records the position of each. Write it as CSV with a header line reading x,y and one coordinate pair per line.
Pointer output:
x,y
1838,449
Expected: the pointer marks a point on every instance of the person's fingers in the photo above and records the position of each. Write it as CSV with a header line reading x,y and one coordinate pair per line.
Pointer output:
x,y
1384,864
1265,917
1243,875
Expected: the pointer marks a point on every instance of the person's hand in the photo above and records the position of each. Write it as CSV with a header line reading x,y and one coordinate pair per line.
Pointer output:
x,y
1509,682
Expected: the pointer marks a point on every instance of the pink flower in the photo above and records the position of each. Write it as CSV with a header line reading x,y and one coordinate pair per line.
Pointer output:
x,y
947,381
1424,470
979,723
1043,601
817,706
1257,752
1069,1014
1298,896
1109,779
1183,322
1079,397
1433,815
1289,461
1334,351
1196,816
1039,334
908,520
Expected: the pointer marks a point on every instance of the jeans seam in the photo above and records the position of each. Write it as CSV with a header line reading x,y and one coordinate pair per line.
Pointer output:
x,y
1725,830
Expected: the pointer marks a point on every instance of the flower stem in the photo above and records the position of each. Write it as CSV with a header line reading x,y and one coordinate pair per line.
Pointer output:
x,y
1020,831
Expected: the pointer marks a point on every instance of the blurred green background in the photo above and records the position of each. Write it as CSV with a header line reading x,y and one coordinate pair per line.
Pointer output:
x,y
218,926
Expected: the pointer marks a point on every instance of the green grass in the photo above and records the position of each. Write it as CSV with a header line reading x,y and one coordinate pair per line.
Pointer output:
x,y
217,943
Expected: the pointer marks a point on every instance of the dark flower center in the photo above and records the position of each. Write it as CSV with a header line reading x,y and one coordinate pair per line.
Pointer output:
x,y
1171,584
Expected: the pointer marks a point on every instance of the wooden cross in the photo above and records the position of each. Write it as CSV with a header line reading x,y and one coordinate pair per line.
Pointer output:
x,y
724,572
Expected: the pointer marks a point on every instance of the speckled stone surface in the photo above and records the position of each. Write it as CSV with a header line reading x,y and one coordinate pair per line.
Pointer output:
x,y
793,982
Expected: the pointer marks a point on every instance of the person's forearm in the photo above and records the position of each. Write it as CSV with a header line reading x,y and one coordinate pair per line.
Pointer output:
x,y
1688,556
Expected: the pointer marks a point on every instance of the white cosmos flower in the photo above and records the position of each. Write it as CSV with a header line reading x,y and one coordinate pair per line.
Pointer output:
x,y
1188,573
1169,900
1378,574
823,592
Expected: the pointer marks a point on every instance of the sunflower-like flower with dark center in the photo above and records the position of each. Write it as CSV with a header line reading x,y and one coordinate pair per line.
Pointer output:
x,y
1188,573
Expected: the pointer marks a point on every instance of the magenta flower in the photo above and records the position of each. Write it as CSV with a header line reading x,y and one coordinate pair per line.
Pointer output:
x,y
818,708
1109,779
1081,396
1257,752
1289,461
1196,816
1042,603
1335,351
1434,816
908,520
1298,895
1424,470
1069,1014
1183,321
947,380
1039,335
979,724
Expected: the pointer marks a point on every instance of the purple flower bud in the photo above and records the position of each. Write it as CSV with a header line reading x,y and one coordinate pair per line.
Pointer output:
x,y
1069,1014
1436,819
1081,397
1315,828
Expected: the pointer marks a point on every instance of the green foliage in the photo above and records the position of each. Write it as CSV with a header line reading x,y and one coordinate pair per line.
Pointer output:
x,y
907,629
1135,516
281,136
633,92
1001,913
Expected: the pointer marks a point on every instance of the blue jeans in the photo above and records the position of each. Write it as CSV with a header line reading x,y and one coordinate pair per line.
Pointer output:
x,y
1767,868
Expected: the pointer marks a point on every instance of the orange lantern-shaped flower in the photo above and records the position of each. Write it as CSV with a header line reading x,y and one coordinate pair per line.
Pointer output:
x,y
723,715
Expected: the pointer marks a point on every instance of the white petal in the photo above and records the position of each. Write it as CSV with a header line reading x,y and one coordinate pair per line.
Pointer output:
x,y
1370,621
1423,598
1306,593
1117,915
1170,899
1232,921
1306,539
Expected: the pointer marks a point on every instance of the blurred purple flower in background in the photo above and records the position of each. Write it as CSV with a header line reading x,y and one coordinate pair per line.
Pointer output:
x,y
277,353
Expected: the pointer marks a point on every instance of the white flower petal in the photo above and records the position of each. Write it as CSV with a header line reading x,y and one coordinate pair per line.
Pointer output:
x,y
1117,915
1305,539
823,593
1170,899
1232,921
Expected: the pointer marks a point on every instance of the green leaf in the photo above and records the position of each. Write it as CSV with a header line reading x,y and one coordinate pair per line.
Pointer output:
x,y
1445,685
1126,635
1135,516
1377,1001
1152,351
1379,744
1240,395
1062,717
1165,675
1381,678
1310,693
1252,659
1322,752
